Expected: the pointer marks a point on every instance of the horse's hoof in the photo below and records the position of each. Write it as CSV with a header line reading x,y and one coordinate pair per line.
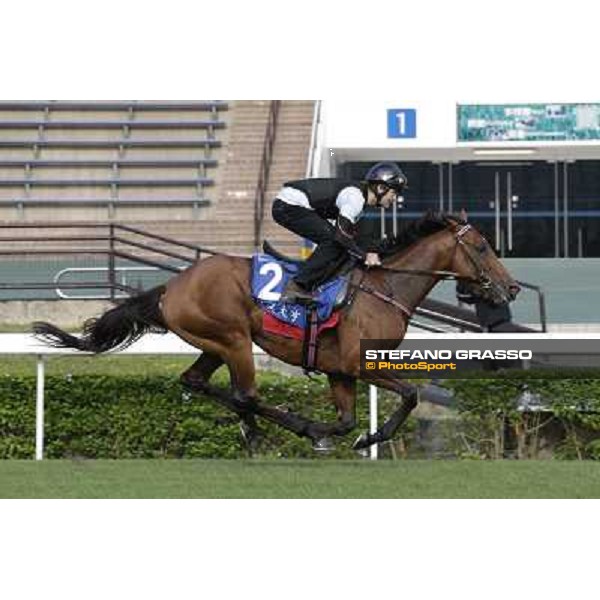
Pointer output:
x,y
323,445
198,386
244,403
362,442
252,437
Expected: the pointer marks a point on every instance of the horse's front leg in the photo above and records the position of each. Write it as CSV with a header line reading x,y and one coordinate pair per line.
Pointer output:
x,y
343,395
409,394
343,390
241,367
350,361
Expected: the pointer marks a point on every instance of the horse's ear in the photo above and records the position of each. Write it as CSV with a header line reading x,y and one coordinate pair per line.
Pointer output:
x,y
463,215
448,219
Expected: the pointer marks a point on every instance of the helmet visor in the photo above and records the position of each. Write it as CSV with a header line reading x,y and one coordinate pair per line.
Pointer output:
x,y
398,185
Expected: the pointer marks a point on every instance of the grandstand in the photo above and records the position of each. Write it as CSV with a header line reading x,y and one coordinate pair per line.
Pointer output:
x,y
188,170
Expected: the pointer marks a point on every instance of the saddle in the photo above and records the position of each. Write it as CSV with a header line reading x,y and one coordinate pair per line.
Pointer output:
x,y
270,273
342,296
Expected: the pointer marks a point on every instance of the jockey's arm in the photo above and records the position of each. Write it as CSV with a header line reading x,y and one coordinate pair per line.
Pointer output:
x,y
345,231
370,237
350,203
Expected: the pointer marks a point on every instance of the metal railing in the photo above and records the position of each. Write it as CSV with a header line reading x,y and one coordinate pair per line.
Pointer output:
x,y
541,301
311,163
151,251
109,241
265,167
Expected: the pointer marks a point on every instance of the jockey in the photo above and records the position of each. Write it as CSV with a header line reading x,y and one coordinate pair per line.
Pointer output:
x,y
304,207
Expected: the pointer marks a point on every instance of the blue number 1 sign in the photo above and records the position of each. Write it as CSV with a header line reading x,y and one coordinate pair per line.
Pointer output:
x,y
402,123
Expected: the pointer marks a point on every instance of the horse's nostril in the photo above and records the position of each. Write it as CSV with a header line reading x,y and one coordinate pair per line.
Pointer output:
x,y
514,290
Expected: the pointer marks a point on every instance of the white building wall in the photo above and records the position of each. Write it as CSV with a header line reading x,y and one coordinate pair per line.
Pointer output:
x,y
356,129
363,123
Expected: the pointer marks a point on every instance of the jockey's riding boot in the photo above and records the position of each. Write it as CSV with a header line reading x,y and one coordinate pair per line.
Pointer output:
x,y
294,293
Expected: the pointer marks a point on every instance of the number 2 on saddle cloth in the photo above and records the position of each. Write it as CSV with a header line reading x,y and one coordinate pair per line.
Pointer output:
x,y
269,277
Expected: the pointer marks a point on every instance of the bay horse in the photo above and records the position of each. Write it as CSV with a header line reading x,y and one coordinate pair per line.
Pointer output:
x,y
209,305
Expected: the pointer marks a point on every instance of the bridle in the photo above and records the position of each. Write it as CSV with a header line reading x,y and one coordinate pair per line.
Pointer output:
x,y
482,278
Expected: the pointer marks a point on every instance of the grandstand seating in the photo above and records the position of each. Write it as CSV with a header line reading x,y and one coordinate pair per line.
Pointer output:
x,y
111,153
184,169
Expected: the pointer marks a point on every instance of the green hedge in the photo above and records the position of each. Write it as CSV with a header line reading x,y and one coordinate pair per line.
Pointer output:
x,y
121,416
494,425
130,416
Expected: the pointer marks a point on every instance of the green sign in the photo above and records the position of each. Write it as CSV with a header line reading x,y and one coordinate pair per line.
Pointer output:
x,y
528,122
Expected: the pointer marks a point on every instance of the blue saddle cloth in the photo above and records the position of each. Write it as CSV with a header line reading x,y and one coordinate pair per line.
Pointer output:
x,y
269,277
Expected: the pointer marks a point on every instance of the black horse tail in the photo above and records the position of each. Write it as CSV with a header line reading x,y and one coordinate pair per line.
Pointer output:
x,y
117,328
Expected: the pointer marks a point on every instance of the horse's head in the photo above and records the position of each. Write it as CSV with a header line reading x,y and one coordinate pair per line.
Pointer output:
x,y
483,277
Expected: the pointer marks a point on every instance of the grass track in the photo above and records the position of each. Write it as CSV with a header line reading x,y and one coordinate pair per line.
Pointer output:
x,y
298,479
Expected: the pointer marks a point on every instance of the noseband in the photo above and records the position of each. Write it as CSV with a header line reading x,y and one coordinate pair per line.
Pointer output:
x,y
482,278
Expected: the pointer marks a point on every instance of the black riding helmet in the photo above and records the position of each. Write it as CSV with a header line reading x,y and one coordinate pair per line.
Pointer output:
x,y
389,174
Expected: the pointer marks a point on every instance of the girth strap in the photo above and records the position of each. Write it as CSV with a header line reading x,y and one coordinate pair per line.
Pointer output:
x,y
309,345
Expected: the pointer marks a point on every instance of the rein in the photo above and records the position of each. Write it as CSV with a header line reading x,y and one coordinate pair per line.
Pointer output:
x,y
446,275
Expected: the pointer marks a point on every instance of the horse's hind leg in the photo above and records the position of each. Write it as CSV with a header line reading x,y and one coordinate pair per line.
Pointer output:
x,y
343,389
199,374
241,366
244,401
197,379
240,362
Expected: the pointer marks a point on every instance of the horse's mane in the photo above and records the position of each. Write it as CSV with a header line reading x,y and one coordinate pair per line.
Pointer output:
x,y
427,225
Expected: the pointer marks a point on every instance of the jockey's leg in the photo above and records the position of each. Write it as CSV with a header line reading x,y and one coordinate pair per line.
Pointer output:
x,y
320,265
303,222
326,258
